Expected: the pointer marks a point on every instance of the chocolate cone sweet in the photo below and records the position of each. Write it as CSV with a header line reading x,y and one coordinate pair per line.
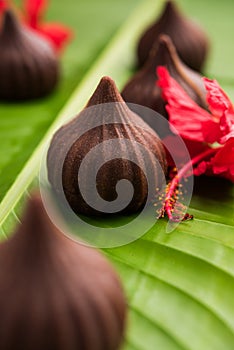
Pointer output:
x,y
55,293
190,40
29,67
126,146
142,88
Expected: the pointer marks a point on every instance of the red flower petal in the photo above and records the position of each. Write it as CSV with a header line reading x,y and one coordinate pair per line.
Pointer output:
x,y
34,10
56,33
211,131
3,5
179,153
184,114
223,162
217,99
202,168
226,127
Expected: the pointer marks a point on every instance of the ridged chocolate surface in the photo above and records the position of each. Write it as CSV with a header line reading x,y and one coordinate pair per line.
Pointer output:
x,y
189,39
56,294
116,169
142,88
29,67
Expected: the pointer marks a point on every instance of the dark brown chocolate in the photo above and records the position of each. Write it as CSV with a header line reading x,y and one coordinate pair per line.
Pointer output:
x,y
188,37
142,89
55,293
29,67
115,169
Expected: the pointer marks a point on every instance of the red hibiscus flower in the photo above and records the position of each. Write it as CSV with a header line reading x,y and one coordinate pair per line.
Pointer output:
x,y
204,128
208,134
56,33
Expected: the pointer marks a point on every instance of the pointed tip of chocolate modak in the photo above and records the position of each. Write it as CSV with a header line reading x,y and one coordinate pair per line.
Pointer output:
x,y
170,7
189,38
36,230
36,233
10,23
35,213
166,42
162,52
105,92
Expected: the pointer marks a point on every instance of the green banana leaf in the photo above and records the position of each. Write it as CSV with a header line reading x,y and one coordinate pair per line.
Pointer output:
x,y
179,285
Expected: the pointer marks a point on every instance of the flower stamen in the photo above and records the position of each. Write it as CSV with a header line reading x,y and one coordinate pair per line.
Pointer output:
x,y
172,208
